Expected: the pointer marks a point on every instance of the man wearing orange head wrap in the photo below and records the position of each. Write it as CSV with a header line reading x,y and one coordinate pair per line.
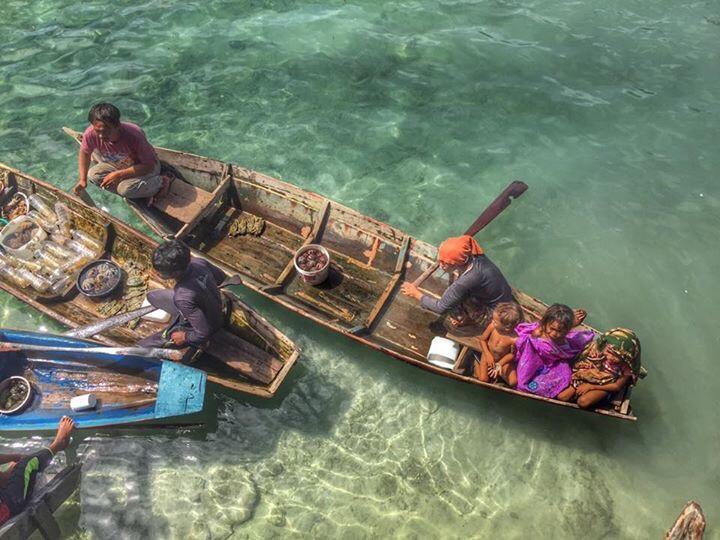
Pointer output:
x,y
476,284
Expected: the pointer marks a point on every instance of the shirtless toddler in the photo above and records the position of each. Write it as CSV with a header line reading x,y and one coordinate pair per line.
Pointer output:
x,y
498,345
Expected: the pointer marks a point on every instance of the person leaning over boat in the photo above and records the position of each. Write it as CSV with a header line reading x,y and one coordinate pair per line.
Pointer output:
x,y
18,472
195,301
126,163
476,284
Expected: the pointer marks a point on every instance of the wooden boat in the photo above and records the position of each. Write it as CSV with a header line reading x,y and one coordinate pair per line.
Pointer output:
x,y
129,389
248,355
361,297
38,514
690,524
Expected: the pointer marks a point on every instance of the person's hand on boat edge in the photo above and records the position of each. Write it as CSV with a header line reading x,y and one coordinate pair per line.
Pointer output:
x,y
409,289
79,187
8,347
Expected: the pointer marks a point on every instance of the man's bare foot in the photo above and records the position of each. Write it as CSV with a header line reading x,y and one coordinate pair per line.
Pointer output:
x,y
164,188
580,315
64,432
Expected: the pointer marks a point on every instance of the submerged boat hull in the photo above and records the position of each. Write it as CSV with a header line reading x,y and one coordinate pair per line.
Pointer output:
x,y
129,389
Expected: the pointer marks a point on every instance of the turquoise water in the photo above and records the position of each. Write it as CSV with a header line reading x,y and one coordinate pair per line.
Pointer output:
x,y
417,113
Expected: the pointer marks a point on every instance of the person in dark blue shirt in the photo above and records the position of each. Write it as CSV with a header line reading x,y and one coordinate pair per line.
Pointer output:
x,y
477,289
195,302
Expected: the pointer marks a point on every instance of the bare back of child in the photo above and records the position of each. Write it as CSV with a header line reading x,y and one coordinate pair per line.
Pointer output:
x,y
498,345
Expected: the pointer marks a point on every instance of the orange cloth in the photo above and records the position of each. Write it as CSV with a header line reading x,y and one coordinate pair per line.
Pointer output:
x,y
458,250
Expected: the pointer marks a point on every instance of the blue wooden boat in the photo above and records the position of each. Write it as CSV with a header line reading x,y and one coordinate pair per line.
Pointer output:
x,y
130,389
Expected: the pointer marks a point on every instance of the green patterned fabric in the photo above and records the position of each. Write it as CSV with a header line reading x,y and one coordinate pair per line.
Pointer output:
x,y
626,345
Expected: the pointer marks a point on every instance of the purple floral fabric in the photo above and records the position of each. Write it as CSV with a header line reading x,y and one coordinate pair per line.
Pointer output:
x,y
543,366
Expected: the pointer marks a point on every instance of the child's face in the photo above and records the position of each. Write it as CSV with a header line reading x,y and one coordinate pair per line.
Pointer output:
x,y
500,327
555,331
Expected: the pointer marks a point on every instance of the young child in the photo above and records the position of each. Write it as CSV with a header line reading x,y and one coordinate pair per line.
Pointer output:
x,y
545,350
606,366
498,345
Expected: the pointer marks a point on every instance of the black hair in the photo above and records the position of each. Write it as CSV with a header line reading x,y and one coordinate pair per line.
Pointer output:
x,y
171,259
559,313
107,113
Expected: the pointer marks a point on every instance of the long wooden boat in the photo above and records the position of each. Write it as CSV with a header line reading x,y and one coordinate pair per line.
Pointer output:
x,y
130,389
361,298
38,514
248,355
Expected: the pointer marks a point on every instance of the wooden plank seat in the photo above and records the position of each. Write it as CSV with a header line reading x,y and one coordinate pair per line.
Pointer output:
x,y
183,201
255,363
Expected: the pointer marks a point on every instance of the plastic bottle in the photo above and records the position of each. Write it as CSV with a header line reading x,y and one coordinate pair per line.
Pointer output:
x,y
31,265
88,239
57,251
44,208
48,260
59,238
38,282
83,249
42,222
64,218
13,275
60,285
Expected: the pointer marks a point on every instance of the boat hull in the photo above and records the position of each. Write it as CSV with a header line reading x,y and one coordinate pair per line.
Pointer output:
x,y
129,389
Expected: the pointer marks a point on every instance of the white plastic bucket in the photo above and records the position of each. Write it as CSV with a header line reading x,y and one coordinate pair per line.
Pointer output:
x,y
26,250
443,352
312,277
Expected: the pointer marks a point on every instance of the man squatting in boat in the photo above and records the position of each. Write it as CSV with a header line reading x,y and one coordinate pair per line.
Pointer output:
x,y
18,472
195,302
125,162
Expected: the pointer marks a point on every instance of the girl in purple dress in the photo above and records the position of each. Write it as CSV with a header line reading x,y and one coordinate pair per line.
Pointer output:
x,y
545,351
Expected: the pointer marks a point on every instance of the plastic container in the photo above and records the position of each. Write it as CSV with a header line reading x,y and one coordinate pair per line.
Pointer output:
x,y
50,262
46,225
11,274
39,283
64,218
85,402
44,208
82,249
26,250
157,316
443,352
312,277
60,285
58,251
110,286
87,239
4,388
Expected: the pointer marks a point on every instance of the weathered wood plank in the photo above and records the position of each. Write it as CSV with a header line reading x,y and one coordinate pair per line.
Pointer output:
x,y
50,496
312,238
389,290
210,206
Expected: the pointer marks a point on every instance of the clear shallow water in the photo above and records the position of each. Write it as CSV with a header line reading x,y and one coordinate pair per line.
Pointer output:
x,y
417,113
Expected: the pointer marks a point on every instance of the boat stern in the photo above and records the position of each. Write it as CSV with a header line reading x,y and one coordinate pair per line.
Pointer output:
x,y
181,391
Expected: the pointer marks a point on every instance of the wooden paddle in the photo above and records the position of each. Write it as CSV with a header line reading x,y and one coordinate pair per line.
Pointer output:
x,y
98,327
512,191
152,352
